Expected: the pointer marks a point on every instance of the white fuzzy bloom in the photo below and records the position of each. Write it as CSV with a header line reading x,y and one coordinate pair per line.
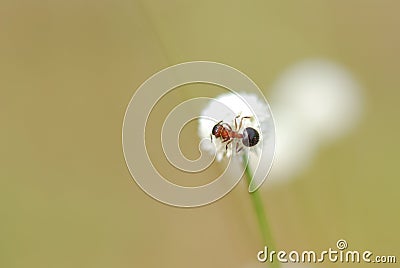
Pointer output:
x,y
226,107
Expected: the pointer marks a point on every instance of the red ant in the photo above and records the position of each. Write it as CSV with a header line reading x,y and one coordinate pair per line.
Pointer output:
x,y
249,137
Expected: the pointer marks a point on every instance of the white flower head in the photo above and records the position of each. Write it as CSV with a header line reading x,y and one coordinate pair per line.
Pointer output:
x,y
249,110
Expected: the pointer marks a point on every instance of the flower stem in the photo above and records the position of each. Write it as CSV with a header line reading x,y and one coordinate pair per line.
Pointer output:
x,y
260,213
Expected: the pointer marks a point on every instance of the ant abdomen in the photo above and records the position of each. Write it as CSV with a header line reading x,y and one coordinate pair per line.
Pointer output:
x,y
250,137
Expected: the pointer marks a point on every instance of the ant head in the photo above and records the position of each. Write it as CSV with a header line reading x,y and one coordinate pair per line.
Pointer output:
x,y
250,137
217,128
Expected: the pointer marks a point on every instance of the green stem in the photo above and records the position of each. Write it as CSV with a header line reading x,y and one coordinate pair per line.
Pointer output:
x,y
260,213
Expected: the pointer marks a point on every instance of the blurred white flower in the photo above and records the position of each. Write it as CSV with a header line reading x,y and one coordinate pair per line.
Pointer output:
x,y
314,102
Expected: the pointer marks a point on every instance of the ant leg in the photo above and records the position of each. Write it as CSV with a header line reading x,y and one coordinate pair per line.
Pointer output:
x,y
211,137
241,120
226,147
236,126
238,150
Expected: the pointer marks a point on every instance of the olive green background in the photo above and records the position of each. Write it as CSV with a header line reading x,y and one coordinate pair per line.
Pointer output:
x,y
68,70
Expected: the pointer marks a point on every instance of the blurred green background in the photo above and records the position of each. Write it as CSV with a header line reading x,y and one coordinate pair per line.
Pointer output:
x,y
68,70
